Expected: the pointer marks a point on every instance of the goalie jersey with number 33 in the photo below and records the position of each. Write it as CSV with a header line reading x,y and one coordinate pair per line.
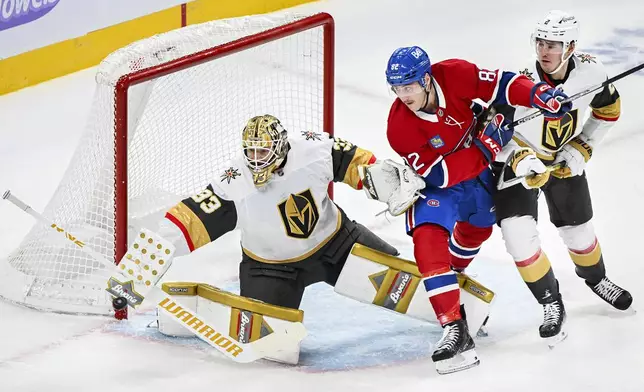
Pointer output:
x,y
288,219
548,137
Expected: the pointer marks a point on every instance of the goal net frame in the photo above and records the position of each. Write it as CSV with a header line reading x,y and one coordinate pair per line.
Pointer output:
x,y
123,85
50,277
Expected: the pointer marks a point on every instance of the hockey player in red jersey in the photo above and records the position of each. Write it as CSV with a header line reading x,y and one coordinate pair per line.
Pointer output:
x,y
433,127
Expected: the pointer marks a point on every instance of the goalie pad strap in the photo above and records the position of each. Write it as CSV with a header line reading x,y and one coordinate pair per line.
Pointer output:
x,y
214,294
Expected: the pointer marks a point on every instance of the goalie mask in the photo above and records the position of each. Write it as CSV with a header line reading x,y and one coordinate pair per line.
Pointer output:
x,y
264,142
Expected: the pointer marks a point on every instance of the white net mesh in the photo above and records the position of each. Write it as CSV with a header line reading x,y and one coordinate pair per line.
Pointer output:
x,y
182,129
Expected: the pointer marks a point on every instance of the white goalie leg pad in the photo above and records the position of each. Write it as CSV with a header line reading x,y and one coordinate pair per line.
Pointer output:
x,y
396,184
246,320
393,283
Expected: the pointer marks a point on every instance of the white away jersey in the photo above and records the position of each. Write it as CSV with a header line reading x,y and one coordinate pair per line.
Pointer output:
x,y
286,220
548,137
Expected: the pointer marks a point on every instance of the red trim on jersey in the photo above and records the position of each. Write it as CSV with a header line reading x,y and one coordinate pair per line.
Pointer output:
x,y
372,160
610,119
183,229
529,261
548,80
410,218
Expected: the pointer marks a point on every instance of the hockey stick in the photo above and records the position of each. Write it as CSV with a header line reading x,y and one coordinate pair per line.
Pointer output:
x,y
506,184
230,347
516,180
580,94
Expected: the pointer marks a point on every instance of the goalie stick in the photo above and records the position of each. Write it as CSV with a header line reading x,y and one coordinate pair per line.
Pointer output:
x,y
216,338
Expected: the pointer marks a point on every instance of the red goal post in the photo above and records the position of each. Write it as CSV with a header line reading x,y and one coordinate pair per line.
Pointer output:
x,y
127,81
166,116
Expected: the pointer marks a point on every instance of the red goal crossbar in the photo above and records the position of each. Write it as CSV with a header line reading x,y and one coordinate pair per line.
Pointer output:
x,y
126,81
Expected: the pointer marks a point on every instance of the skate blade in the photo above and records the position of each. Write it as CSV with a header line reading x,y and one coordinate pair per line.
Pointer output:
x,y
462,361
482,332
553,341
630,311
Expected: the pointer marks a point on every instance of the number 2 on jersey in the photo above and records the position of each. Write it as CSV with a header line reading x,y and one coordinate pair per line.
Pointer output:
x,y
414,156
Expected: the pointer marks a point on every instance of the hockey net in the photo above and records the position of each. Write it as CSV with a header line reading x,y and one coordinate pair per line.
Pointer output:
x,y
166,117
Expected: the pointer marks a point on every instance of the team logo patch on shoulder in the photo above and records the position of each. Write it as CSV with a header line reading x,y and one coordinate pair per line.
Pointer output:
x,y
586,58
341,144
230,174
310,135
527,74
433,203
436,142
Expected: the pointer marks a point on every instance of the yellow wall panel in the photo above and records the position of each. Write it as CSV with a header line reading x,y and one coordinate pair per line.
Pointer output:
x,y
205,10
39,65
62,58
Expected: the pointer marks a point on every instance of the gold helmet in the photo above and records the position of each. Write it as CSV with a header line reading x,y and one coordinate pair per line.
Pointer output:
x,y
265,147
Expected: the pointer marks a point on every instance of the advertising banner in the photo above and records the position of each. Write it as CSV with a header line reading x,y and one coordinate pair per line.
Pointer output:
x,y
30,24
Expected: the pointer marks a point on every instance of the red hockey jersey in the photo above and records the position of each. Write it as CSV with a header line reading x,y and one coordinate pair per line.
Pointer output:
x,y
437,145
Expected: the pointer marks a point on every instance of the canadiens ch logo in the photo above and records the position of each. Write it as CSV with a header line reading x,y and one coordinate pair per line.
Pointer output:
x,y
299,214
527,74
310,135
556,133
230,174
586,58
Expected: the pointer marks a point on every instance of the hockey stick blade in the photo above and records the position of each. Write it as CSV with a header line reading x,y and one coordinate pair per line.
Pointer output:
x,y
226,345
517,180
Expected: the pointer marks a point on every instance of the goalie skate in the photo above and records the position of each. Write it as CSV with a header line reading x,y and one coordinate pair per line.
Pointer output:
x,y
455,351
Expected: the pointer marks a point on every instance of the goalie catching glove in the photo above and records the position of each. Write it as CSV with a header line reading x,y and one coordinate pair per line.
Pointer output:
x,y
393,183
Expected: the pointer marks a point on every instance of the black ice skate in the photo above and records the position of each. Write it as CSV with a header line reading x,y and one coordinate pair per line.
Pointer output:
x,y
554,315
455,351
612,293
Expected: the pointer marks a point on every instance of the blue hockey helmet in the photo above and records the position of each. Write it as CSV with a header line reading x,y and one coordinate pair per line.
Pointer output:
x,y
408,65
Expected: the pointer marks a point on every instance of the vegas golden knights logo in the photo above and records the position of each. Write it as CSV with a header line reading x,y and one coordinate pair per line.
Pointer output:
x,y
556,133
300,214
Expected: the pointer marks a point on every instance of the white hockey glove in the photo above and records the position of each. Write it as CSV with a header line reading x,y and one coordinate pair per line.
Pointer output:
x,y
393,183
525,164
575,154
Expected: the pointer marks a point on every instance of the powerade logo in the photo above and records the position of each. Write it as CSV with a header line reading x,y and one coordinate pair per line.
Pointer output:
x,y
17,12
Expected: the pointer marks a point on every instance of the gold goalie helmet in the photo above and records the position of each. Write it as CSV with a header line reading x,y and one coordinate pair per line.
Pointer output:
x,y
265,147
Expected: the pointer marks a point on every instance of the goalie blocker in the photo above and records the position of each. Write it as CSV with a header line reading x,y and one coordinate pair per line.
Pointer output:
x,y
392,283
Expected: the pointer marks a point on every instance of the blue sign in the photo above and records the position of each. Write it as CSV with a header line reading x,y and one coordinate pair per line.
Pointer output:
x,y
18,12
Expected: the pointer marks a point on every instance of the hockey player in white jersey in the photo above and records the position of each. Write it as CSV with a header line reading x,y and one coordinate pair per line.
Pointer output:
x,y
569,141
292,233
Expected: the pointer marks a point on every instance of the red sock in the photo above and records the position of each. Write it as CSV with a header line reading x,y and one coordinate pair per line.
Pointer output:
x,y
465,243
433,259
